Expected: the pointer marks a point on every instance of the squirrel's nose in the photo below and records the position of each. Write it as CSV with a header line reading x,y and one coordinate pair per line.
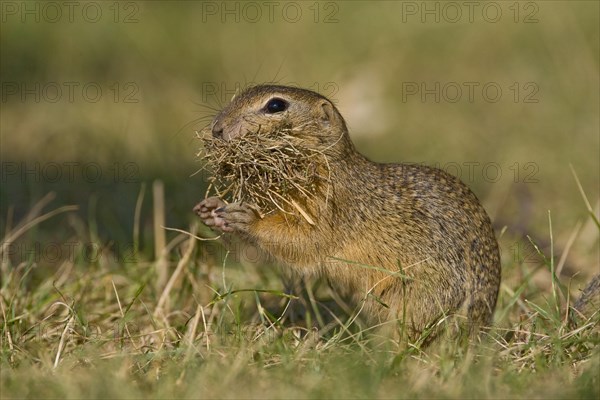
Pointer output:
x,y
217,130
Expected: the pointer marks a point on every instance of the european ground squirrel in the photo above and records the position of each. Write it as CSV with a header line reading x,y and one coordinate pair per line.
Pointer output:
x,y
411,242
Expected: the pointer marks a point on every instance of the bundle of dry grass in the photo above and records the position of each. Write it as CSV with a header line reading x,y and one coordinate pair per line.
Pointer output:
x,y
273,170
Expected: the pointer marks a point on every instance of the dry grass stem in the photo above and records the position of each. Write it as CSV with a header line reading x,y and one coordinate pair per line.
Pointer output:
x,y
63,337
191,244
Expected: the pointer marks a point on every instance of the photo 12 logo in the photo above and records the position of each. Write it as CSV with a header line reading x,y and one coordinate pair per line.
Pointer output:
x,y
48,253
488,171
52,12
68,172
252,12
470,91
525,252
69,92
453,12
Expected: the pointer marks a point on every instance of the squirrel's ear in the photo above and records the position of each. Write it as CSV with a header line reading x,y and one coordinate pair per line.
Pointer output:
x,y
327,112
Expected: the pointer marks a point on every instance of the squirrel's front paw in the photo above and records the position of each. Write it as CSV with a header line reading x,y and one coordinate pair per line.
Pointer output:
x,y
206,211
235,217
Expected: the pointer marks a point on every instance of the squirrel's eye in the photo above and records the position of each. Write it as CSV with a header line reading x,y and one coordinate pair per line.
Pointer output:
x,y
276,105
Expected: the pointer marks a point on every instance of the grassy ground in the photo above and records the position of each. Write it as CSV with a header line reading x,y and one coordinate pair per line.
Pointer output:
x,y
102,328
98,301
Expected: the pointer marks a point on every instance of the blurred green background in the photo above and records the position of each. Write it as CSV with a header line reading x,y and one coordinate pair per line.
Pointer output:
x,y
505,95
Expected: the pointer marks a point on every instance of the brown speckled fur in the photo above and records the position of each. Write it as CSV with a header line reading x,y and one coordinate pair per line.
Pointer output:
x,y
418,222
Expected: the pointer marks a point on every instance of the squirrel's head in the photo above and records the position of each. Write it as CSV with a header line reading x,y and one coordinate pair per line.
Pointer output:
x,y
275,146
268,107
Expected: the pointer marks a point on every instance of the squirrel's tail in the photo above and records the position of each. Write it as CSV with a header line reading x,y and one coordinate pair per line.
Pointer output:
x,y
589,301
